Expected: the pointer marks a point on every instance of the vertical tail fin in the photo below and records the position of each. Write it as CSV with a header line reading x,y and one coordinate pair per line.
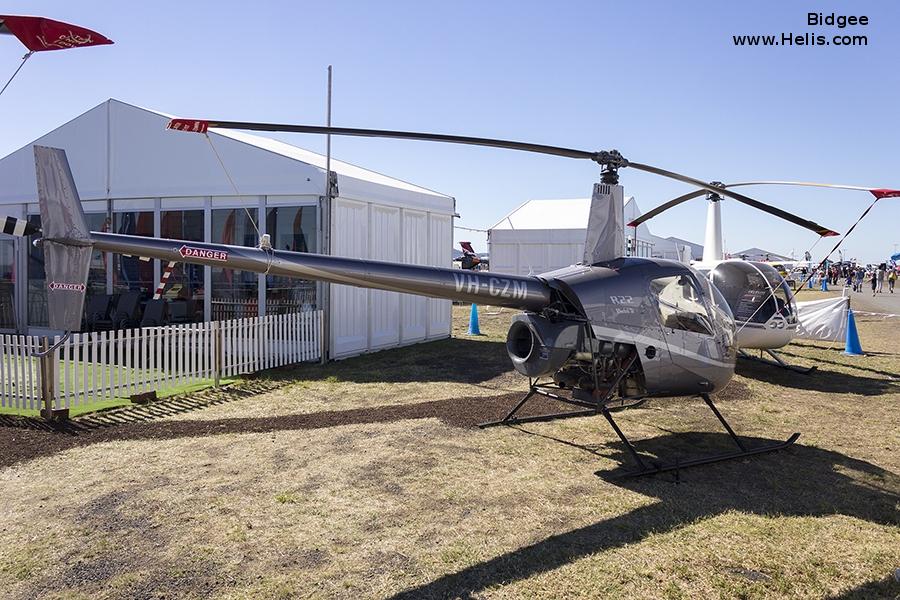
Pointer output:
x,y
66,239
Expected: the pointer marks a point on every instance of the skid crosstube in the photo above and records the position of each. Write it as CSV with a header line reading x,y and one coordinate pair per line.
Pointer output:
x,y
589,407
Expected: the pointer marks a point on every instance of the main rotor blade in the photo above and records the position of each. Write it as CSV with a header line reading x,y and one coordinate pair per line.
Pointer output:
x,y
812,226
610,158
877,192
664,207
200,126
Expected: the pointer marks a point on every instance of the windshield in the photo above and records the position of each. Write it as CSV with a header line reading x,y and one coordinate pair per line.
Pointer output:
x,y
755,292
680,304
721,310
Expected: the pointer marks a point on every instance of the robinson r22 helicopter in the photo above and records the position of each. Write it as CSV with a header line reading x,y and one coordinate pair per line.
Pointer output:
x,y
763,305
608,332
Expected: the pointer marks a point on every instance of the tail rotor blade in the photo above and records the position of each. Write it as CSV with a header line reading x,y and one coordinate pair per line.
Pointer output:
x,y
17,227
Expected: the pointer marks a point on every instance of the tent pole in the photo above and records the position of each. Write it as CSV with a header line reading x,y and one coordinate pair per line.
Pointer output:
x,y
326,232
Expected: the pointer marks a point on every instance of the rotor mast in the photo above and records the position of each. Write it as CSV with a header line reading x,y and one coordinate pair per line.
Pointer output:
x,y
713,249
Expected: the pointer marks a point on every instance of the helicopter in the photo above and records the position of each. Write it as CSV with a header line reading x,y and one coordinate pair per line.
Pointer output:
x,y
469,259
599,335
763,304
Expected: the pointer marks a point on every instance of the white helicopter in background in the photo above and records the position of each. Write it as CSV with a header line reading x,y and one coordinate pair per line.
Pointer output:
x,y
763,304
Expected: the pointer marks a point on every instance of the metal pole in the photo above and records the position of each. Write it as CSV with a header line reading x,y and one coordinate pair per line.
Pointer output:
x,y
218,350
47,384
326,231
22,64
328,140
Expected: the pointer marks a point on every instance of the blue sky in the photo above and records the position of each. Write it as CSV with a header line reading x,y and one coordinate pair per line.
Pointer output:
x,y
660,81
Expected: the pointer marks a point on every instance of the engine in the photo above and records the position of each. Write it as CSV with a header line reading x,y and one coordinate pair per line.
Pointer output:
x,y
567,351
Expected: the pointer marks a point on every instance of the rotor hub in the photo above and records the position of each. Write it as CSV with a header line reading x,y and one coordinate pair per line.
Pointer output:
x,y
712,196
611,161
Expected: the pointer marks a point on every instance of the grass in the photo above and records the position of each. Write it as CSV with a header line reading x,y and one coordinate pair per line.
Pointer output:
x,y
421,509
99,405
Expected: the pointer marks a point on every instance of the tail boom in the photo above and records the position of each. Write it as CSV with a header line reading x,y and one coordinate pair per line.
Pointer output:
x,y
484,287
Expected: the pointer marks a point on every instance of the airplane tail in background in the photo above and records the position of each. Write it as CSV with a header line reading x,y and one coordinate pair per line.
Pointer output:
x,y
66,240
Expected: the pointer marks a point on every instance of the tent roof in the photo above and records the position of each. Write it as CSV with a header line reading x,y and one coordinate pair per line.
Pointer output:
x,y
318,160
551,214
118,150
759,252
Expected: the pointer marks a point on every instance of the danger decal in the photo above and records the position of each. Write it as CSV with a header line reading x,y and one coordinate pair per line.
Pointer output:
x,y
203,253
68,287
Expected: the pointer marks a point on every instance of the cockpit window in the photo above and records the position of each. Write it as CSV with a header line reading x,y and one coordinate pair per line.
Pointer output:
x,y
783,297
722,312
680,304
755,295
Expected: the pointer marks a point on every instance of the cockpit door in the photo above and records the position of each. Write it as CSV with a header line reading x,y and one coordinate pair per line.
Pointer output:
x,y
688,324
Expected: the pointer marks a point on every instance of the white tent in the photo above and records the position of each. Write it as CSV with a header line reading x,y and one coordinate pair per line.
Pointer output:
x,y
542,235
135,176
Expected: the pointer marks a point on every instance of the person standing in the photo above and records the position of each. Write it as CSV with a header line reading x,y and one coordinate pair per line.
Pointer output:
x,y
892,278
874,282
860,274
880,275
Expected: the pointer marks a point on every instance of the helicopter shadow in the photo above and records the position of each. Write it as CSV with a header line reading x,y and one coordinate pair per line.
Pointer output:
x,y
889,587
803,481
853,366
452,360
820,380
834,347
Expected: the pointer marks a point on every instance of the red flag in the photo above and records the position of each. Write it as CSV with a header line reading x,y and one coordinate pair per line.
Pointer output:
x,y
40,34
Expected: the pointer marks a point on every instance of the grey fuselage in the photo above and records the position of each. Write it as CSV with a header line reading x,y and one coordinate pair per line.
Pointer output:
x,y
614,299
617,300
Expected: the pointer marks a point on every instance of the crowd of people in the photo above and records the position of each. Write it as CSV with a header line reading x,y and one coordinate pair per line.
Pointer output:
x,y
856,276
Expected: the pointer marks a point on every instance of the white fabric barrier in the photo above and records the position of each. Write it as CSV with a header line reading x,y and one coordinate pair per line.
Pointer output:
x,y
823,319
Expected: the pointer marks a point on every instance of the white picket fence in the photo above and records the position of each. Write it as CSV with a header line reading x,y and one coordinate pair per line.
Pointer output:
x,y
92,367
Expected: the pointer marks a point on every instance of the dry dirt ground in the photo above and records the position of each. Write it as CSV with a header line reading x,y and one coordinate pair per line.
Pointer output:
x,y
368,479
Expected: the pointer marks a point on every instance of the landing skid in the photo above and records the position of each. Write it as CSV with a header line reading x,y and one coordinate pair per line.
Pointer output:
x,y
777,361
650,469
645,466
